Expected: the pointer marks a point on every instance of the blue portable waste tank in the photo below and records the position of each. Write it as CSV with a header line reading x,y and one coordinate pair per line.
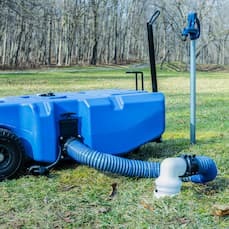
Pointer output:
x,y
110,121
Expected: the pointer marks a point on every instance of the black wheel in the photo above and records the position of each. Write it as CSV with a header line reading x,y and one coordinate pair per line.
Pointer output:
x,y
11,154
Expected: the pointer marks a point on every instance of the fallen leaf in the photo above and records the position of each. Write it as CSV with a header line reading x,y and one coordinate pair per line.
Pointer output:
x,y
183,220
113,191
68,187
46,200
146,205
220,210
103,210
67,214
66,217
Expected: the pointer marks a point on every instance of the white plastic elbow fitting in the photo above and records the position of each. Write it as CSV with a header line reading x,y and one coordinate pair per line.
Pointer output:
x,y
169,182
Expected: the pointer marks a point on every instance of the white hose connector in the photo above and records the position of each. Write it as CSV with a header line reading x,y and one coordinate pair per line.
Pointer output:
x,y
169,182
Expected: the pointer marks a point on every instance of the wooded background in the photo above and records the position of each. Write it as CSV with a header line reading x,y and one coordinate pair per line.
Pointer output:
x,y
34,33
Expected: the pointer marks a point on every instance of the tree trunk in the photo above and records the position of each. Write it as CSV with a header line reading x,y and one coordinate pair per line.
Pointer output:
x,y
19,41
95,47
50,42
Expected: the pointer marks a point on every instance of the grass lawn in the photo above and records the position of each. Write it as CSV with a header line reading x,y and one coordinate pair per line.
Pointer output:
x,y
75,196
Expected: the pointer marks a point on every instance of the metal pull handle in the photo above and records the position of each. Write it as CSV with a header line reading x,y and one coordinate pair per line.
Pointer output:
x,y
151,50
154,17
136,79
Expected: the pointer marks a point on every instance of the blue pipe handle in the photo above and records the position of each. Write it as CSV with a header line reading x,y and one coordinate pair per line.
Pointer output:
x,y
193,28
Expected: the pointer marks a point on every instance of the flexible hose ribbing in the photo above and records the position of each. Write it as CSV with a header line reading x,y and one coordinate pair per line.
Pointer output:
x,y
207,170
111,163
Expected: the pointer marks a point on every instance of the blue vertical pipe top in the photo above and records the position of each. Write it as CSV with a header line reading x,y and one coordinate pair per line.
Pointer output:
x,y
193,27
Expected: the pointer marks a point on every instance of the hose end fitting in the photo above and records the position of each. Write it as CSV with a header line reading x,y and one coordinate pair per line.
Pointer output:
x,y
192,165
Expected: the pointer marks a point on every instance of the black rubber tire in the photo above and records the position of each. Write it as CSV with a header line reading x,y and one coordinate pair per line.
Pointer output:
x,y
11,154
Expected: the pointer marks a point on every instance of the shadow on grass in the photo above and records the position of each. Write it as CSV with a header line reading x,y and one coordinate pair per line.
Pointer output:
x,y
66,164
167,148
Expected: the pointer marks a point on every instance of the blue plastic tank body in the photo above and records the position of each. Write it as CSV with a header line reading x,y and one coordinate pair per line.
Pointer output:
x,y
110,121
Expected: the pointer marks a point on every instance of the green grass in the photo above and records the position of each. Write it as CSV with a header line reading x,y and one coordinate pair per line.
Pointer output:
x,y
76,196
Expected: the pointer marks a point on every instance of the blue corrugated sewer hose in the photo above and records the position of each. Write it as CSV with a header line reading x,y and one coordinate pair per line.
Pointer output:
x,y
205,167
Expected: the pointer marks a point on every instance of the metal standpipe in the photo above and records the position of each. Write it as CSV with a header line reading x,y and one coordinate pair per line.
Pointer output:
x,y
193,32
193,91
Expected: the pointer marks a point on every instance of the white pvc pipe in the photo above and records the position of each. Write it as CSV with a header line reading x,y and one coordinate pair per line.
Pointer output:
x,y
169,182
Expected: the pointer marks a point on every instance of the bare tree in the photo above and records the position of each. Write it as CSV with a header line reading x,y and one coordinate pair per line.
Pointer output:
x,y
66,32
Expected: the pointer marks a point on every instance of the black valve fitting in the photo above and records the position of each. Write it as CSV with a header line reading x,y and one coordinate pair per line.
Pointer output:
x,y
192,165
